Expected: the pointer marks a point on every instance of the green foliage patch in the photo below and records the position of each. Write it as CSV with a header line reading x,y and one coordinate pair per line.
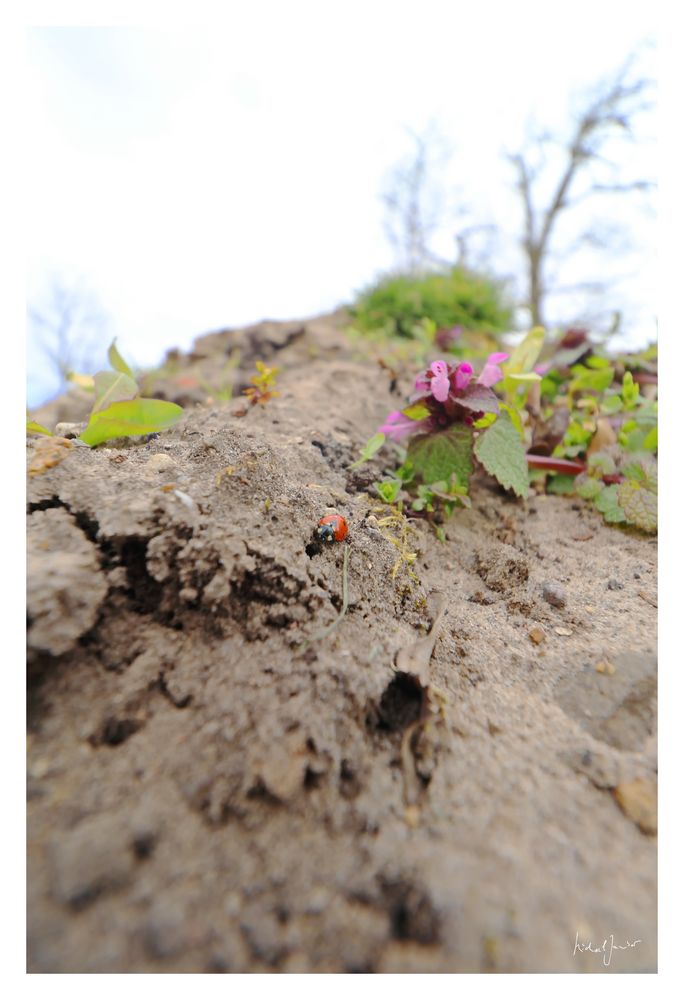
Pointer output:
x,y
397,304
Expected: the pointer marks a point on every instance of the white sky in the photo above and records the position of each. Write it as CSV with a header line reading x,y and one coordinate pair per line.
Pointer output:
x,y
201,178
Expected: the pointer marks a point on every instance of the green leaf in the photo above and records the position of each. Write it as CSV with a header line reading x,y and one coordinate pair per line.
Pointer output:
x,y
117,362
633,435
525,377
502,453
602,462
453,493
576,433
439,456
587,487
561,484
608,503
425,499
525,356
595,361
369,449
642,469
129,419
650,442
588,379
640,503
514,414
549,387
388,489
611,404
405,472
33,428
113,387
630,390
416,412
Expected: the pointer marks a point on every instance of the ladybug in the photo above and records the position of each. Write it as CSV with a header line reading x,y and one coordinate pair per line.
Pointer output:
x,y
332,528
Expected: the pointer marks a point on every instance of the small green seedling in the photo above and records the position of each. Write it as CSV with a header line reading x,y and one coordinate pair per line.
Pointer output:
x,y
263,387
118,409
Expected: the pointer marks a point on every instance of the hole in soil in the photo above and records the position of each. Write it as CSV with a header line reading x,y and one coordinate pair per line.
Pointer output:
x,y
350,786
401,703
259,792
412,914
145,591
116,731
312,779
144,845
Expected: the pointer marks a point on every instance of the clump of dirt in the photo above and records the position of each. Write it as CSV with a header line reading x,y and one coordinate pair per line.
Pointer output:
x,y
213,787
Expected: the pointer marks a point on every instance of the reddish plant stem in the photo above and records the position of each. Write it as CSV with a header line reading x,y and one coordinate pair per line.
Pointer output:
x,y
550,464
568,467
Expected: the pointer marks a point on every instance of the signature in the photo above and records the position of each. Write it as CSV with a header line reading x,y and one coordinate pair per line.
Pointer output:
x,y
606,949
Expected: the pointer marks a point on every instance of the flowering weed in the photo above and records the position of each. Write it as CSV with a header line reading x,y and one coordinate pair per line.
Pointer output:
x,y
573,421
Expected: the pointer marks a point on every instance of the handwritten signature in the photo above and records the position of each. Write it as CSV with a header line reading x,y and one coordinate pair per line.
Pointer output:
x,y
606,949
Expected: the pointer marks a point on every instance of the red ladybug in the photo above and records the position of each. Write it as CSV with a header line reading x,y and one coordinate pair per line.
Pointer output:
x,y
332,528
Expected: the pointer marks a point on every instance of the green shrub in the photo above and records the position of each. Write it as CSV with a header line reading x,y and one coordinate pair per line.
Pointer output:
x,y
397,303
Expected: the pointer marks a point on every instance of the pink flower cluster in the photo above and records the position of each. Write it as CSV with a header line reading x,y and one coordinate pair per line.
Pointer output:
x,y
450,395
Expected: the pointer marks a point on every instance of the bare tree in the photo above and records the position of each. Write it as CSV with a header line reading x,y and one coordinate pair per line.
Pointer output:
x,y
421,207
554,177
414,202
68,327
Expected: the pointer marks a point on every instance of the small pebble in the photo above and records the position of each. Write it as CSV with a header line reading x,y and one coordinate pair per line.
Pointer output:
x,y
554,594
159,462
638,800
563,631
412,816
70,430
537,634
615,585
604,667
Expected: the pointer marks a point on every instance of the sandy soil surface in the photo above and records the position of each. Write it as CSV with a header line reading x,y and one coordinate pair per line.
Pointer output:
x,y
214,786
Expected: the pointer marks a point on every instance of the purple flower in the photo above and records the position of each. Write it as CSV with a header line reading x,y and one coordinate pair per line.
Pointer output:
x,y
397,426
446,394
439,383
491,373
462,376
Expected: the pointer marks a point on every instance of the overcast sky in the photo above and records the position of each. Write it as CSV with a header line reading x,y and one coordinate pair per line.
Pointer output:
x,y
211,177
